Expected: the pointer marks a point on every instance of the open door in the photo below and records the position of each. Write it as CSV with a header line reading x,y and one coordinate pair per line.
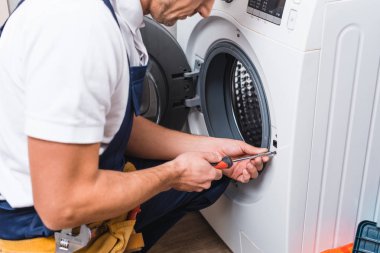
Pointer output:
x,y
166,87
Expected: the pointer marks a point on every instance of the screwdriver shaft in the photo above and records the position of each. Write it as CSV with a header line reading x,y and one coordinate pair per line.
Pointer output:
x,y
227,162
271,153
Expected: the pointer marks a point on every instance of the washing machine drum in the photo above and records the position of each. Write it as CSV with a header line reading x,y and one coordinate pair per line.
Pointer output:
x,y
233,100
165,87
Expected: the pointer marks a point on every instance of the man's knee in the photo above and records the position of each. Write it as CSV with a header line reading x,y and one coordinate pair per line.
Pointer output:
x,y
210,196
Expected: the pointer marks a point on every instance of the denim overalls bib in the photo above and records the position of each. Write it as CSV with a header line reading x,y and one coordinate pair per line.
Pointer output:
x,y
24,223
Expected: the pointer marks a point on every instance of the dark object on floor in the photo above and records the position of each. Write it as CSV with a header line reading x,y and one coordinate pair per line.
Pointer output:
x,y
367,238
192,234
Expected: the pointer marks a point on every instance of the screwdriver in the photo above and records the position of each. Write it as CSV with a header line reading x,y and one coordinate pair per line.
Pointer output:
x,y
227,161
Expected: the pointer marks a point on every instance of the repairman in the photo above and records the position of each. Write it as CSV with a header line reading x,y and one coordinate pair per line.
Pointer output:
x,y
71,72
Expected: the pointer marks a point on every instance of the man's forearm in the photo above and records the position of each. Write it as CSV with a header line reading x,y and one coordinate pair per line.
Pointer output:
x,y
69,189
90,201
152,141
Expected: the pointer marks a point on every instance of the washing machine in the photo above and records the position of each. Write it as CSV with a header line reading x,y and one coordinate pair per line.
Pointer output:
x,y
301,77
297,76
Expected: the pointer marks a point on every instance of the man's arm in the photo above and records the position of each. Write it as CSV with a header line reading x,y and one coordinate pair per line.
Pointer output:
x,y
152,141
70,190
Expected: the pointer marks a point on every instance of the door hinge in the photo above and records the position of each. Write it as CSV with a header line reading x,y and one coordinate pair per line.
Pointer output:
x,y
196,100
197,69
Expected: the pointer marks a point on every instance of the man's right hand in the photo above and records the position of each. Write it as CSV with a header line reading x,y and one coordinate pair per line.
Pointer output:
x,y
195,171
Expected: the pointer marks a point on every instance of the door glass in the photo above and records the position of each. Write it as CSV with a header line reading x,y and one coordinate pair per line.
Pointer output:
x,y
246,105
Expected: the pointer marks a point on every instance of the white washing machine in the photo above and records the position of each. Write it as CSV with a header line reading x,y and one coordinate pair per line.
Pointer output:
x,y
298,76
302,77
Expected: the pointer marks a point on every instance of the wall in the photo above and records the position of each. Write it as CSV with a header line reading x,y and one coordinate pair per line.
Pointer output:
x,y
3,11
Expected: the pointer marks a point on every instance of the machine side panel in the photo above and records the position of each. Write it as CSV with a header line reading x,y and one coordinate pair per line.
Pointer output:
x,y
340,120
301,152
343,116
370,192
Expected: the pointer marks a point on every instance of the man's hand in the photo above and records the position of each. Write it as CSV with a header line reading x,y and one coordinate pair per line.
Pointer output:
x,y
151,141
241,171
196,173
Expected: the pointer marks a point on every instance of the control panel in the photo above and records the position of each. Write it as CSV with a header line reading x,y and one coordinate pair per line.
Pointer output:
x,y
270,10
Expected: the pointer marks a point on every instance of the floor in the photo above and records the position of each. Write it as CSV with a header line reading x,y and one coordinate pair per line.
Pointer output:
x,y
192,234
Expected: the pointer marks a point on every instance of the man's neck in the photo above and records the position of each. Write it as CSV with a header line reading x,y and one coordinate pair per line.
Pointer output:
x,y
145,6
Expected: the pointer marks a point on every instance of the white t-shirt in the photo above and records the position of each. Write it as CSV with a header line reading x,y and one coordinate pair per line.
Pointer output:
x,y
64,78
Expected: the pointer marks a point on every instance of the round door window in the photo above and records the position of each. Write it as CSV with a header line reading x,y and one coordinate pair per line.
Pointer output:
x,y
233,100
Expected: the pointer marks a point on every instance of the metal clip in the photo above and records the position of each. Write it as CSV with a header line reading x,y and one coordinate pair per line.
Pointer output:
x,y
67,242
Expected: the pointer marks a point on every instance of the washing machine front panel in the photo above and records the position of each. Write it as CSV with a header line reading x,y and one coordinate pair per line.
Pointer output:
x,y
287,21
234,105
295,23
165,86
244,213
317,185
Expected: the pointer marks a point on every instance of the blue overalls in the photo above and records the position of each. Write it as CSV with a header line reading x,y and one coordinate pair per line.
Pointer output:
x,y
158,214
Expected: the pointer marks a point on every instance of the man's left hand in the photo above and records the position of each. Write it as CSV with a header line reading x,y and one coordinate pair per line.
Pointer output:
x,y
240,171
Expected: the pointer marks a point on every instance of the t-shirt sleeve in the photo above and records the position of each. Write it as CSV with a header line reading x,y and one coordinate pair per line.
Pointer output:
x,y
73,65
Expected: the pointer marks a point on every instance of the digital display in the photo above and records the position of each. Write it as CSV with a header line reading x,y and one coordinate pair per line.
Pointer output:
x,y
270,10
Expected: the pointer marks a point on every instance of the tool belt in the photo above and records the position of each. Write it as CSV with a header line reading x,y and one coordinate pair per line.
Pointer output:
x,y
119,237
113,236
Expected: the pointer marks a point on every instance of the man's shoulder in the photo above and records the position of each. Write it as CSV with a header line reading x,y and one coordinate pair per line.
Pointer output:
x,y
40,23
77,14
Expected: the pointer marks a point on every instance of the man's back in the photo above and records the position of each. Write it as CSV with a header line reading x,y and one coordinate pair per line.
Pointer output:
x,y
61,62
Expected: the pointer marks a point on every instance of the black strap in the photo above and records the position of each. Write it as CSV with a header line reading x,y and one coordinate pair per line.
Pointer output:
x,y
109,5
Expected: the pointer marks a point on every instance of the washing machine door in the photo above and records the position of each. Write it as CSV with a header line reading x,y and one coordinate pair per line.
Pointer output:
x,y
232,97
166,87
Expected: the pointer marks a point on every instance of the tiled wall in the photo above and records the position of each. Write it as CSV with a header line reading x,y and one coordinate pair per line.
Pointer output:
x,y
3,11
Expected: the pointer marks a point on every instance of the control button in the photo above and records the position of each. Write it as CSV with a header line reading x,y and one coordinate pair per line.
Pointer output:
x,y
227,1
292,19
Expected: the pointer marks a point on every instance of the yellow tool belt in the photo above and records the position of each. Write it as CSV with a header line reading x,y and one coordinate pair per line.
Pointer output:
x,y
118,236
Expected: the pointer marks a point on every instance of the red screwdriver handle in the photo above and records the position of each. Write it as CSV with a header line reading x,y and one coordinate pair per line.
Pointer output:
x,y
225,163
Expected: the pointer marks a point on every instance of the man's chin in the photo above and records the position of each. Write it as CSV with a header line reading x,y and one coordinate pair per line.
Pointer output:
x,y
166,22
169,22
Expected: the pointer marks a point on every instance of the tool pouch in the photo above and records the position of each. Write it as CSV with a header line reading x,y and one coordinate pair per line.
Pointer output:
x,y
120,235
113,236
